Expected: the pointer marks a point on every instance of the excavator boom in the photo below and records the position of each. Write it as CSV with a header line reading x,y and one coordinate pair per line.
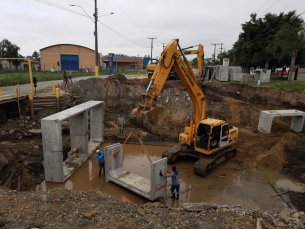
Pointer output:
x,y
144,116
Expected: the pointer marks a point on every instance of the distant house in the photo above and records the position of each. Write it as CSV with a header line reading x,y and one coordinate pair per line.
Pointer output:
x,y
123,61
4,64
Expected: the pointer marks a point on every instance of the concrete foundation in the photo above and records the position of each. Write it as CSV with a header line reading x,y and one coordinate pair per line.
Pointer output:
x,y
115,172
222,73
263,75
55,169
266,117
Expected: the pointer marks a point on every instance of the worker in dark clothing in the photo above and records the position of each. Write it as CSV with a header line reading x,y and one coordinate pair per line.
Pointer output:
x,y
175,181
65,78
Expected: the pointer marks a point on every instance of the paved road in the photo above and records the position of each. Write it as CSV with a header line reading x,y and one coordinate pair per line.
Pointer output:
x,y
48,85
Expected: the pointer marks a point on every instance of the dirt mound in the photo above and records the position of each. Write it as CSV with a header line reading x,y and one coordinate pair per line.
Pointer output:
x,y
296,159
120,78
26,160
62,208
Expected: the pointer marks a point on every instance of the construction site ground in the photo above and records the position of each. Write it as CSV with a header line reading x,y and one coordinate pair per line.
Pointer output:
x,y
274,160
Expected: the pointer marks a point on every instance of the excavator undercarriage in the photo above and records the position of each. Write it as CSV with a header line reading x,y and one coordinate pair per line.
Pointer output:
x,y
205,163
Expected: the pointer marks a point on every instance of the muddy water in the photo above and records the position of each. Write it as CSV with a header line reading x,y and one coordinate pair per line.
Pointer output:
x,y
250,189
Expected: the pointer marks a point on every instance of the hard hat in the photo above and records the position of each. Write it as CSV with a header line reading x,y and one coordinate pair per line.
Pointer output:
x,y
97,151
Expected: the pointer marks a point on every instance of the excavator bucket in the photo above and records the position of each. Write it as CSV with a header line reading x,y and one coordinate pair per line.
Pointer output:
x,y
145,119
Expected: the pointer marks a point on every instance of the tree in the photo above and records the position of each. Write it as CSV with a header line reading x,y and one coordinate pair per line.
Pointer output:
x,y
290,40
36,56
9,50
255,46
194,62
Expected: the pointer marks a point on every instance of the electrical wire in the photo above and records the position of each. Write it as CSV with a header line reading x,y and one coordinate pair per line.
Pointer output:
x,y
271,6
71,11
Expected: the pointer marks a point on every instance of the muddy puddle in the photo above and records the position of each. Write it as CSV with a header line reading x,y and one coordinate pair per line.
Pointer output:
x,y
225,185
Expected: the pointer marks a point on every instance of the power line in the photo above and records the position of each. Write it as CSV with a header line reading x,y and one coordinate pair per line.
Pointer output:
x,y
122,35
262,6
288,5
271,6
71,11
133,22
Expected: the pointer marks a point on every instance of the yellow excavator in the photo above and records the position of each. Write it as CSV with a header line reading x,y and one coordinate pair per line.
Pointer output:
x,y
151,67
208,140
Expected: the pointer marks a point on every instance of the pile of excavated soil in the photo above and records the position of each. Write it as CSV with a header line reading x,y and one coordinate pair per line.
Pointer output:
x,y
61,208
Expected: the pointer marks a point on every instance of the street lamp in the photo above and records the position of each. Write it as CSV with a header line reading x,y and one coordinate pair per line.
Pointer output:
x,y
95,34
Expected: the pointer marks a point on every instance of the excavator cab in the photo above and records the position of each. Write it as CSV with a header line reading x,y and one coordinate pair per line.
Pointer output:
x,y
211,137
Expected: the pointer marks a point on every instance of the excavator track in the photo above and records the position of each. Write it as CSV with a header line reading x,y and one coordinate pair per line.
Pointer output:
x,y
205,163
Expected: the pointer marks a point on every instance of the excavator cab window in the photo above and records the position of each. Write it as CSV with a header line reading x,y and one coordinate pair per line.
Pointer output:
x,y
215,137
202,138
224,136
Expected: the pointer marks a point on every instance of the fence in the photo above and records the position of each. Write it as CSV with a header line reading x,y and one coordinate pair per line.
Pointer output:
x,y
18,91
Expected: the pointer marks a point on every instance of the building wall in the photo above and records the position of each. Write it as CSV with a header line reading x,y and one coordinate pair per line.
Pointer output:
x,y
126,62
51,55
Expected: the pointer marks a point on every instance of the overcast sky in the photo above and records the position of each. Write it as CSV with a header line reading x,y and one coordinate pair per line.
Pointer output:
x,y
32,24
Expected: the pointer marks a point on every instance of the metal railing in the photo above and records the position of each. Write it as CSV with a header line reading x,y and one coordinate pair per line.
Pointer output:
x,y
17,91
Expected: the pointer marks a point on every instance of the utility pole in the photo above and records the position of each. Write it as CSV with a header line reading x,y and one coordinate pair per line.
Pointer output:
x,y
214,51
152,39
96,46
221,48
163,45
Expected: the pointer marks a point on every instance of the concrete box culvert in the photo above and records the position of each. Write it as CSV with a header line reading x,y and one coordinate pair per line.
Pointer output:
x,y
55,169
266,118
115,172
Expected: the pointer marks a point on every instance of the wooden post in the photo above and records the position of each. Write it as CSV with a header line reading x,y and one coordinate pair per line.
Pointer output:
x,y
19,106
19,184
31,96
57,99
4,117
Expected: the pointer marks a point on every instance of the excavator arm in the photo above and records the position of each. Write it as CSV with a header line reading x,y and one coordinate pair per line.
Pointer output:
x,y
145,115
200,56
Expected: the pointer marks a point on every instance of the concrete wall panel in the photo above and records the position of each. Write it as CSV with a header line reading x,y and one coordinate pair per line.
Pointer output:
x,y
53,166
97,114
158,183
96,131
263,75
79,124
222,73
81,142
51,135
237,77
